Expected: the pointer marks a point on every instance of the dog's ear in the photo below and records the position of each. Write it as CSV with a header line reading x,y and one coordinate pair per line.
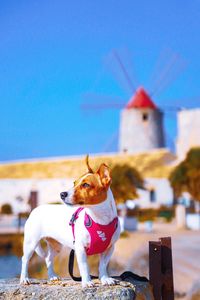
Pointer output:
x,y
104,173
87,163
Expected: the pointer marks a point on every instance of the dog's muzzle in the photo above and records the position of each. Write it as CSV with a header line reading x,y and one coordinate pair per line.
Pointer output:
x,y
63,195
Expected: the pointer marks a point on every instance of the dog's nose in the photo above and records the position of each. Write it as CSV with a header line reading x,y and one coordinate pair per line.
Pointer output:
x,y
63,195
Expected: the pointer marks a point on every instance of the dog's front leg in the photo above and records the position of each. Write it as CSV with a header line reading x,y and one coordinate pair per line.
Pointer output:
x,y
83,267
103,264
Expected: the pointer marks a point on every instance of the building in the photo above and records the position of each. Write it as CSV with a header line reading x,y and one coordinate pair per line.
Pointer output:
x,y
51,176
158,192
141,125
188,131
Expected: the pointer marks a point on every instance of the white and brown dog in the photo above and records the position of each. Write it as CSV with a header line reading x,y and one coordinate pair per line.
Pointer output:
x,y
93,228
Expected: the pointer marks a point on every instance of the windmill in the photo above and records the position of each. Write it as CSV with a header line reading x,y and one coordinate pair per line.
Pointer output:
x,y
141,124
141,120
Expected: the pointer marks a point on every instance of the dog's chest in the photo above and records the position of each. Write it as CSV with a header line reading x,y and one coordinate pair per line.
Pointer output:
x,y
97,237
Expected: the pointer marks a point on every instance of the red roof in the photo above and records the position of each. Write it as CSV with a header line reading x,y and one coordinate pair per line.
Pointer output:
x,y
141,100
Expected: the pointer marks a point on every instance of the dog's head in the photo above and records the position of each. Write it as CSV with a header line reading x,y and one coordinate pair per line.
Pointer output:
x,y
89,189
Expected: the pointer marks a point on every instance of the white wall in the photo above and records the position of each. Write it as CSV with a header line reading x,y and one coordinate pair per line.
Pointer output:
x,y
163,193
188,131
48,191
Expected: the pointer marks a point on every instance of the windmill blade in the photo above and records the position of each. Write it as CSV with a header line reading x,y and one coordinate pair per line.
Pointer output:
x,y
170,109
158,67
120,68
184,103
92,101
127,58
111,143
101,106
172,68
170,78
124,71
164,74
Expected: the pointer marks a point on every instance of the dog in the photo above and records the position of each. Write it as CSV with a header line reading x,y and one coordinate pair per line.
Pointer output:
x,y
87,223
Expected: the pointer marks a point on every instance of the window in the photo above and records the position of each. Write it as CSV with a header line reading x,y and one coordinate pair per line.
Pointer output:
x,y
152,196
145,116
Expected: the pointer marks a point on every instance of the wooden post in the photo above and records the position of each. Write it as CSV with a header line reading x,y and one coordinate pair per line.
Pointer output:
x,y
160,269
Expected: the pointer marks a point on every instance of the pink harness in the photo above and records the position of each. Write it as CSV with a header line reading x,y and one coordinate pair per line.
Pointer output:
x,y
100,235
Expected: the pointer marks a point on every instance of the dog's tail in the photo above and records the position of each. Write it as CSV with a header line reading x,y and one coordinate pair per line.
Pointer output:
x,y
40,251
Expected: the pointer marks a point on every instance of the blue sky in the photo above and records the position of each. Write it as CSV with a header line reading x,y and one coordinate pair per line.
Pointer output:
x,y
53,52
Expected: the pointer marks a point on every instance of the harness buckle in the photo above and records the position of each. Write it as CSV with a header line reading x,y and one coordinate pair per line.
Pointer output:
x,y
88,221
73,219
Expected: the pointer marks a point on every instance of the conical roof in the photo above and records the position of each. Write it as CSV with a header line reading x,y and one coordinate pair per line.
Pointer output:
x,y
141,100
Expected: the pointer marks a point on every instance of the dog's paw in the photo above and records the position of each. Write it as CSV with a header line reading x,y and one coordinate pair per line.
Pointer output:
x,y
87,284
108,281
54,278
25,281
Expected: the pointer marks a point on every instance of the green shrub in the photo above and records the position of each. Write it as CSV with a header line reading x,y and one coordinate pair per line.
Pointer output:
x,y
132,212
166,212
150,214
147,214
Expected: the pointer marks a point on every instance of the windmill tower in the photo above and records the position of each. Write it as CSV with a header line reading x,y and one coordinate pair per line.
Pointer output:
x,y
141,125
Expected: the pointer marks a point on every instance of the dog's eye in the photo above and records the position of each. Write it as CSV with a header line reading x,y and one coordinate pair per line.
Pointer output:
x,y
85,185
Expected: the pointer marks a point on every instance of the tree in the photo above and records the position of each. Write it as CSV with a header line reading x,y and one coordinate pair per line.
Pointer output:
x,y
125,180
178,179
186,175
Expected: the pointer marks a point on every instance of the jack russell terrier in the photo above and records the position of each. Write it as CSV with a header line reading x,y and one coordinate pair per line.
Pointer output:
x,y
88,224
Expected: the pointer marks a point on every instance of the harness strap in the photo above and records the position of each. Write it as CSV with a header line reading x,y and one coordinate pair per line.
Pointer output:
x,y
73,219
125,276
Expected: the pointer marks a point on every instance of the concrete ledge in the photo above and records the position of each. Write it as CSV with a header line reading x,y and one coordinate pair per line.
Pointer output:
x,y
70,290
